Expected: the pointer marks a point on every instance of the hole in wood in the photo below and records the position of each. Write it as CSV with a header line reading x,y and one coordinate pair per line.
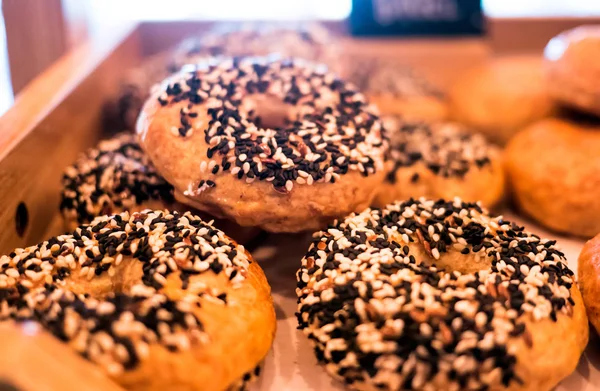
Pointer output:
x,y
21,219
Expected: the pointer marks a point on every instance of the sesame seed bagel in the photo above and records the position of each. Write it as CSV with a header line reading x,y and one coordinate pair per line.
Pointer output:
x,y
440,160
311,42
307,41
501,96
398,91
572,68
115,176
554,171
158,300
588,277
279,144
439,295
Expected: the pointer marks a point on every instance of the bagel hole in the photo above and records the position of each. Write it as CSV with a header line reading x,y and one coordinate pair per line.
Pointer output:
x,y
269,112
462,263
21,219
451,260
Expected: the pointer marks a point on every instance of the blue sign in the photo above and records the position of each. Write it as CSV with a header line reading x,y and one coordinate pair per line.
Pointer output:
x,y
416,17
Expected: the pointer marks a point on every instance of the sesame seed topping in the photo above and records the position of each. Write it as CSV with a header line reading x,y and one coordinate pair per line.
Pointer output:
x,y
381,304
332,130
114,330
446,149
111,178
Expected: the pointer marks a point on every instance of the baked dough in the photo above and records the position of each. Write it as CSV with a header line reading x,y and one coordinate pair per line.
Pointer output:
x,y
397,90
307,41
158,300
588,277
117,176
440,160
439,295
282,145
501,96
554,170
573,68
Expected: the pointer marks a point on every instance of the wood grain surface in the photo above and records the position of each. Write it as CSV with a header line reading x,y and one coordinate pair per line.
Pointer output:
x,y
53,119
35,36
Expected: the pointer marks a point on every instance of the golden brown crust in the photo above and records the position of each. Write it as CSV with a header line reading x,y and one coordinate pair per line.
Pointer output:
x,y
405,309
572,68
113,177
250,202
240,335
555,348
588,273
116,177
159,300
418,108
397,90
501,96
479,184
554,170
441,160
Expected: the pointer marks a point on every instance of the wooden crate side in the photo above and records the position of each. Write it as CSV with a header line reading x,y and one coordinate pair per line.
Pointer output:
x,y
55,117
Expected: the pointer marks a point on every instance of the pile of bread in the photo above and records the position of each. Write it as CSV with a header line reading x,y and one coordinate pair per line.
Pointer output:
x,y
409,283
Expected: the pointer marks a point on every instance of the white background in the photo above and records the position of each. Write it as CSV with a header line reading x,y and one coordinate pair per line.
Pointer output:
x,y
311,9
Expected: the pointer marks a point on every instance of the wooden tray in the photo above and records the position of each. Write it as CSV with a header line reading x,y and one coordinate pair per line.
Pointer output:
x,y
60,114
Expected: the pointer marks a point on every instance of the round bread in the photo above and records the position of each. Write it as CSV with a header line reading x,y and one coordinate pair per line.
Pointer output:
x,y
115,176
440,160
588,277
307,41
158,300
501,96
398,91
573,68
278,144
426,295
310,42
554,170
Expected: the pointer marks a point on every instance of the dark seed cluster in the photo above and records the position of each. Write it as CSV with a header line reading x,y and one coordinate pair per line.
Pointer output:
x,y
379,311
111,178
331,131
311,42
446,149
116,328
380,77
244,383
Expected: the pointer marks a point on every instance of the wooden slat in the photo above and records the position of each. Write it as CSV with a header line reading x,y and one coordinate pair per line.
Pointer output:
x,y
510,35
54,118
35,35
439,59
